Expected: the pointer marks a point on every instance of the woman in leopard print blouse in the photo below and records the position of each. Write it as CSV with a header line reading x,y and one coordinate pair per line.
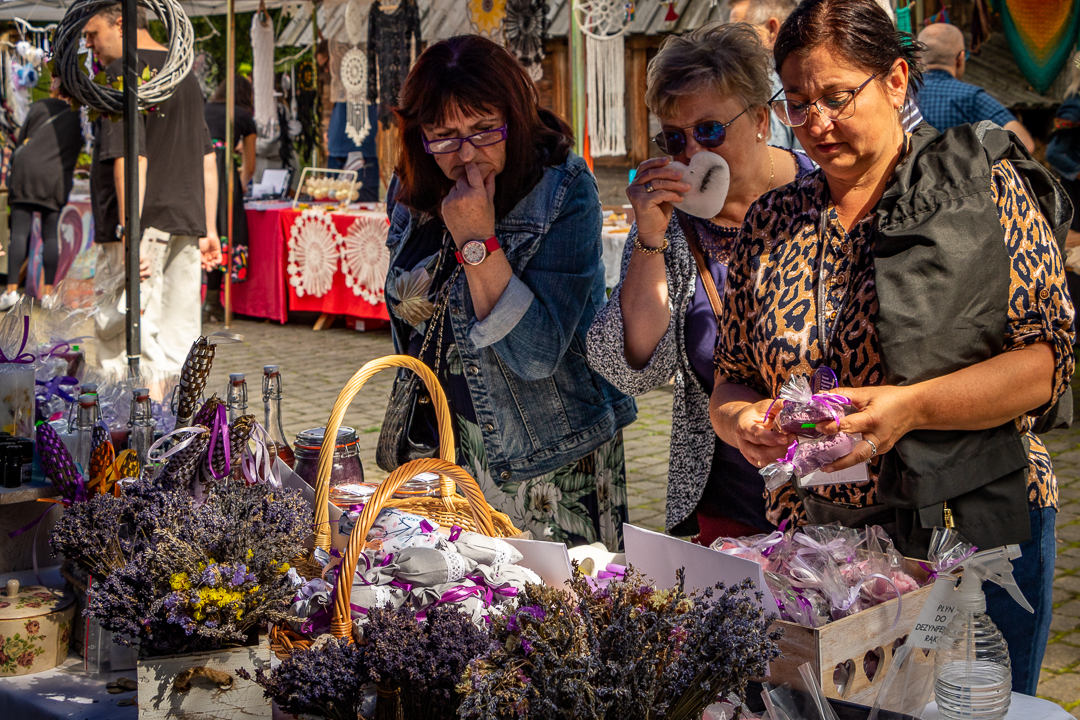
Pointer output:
x,y
709,88
803,291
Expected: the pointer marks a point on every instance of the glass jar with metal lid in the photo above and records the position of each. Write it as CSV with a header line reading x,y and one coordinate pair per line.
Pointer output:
x,y
347,468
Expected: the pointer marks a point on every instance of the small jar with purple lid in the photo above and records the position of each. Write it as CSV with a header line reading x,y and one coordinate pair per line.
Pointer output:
x,y
347,468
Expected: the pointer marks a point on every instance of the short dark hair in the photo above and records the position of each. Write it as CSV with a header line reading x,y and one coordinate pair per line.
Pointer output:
x,y
242,91
471,74
114,13
859,31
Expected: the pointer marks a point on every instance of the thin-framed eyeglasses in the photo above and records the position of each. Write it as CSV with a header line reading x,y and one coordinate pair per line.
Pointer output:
x,y
839,105
444,146
710,134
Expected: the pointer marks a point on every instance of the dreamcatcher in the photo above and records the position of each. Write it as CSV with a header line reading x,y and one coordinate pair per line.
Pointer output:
x,y
486,17
313,253
524,27
365,259
604,23
354,78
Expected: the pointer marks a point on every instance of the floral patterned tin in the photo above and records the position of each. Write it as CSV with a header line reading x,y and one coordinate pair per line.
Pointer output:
x,y
35,629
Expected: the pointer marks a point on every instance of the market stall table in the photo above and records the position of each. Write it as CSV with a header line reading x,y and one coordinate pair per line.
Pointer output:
x,y
332,263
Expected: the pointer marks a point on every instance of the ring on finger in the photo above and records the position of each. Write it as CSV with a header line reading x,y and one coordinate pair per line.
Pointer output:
x,y
873,447
649,187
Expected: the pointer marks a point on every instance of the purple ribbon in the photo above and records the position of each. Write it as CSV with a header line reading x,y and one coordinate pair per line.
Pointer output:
x,y
832,402
220,428
938,567
21,357
53,387
63,346
455,533
506,590
831,548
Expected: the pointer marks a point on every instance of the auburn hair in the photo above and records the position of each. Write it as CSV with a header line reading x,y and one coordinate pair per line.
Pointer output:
x,y
471,75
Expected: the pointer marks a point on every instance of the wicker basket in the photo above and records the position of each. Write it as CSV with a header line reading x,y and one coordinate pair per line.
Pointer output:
x,y
469,511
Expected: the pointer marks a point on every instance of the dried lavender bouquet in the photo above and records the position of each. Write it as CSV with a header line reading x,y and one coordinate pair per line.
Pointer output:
x,y
623,652
208,575
327,680
420,658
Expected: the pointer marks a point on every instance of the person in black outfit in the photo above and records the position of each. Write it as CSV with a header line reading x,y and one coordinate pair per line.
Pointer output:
x,y
42,167
244,135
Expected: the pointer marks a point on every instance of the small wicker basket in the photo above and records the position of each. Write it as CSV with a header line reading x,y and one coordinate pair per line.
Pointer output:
x,y
469,511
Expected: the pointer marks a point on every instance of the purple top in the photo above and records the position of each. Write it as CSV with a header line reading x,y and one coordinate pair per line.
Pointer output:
x,y
735,489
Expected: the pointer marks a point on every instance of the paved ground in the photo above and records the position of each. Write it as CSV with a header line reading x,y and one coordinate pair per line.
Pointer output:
x,y
315,366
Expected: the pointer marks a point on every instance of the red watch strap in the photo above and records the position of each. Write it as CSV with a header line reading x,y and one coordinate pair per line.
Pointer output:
x,y
491,244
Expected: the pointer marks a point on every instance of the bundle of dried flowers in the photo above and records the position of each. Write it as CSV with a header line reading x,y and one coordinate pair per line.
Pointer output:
x,y
625,652
424,659
328,680
195,577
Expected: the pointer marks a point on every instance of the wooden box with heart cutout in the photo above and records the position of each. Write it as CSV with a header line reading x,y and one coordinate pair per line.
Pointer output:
x,y
851,656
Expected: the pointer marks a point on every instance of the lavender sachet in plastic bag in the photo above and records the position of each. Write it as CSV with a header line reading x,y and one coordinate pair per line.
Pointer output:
x,y
803,410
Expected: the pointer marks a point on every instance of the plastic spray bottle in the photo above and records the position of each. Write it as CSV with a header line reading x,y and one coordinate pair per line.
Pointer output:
x,y
972,672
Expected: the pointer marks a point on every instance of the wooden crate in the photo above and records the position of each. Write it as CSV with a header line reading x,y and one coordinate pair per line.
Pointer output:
x,y
205,700
849,642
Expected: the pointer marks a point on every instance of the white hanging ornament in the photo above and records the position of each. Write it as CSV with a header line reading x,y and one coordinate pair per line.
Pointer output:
x,y
365,259
354,78
313,253
604,22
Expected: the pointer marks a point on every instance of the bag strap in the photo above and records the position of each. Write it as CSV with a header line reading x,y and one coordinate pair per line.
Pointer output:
x,y
703,270
44,125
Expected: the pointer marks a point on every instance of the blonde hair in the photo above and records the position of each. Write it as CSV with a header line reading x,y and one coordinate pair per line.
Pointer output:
x,y
728,59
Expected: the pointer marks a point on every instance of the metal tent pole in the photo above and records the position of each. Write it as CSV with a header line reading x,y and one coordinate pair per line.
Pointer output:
x,y
132,231
230,117
577,84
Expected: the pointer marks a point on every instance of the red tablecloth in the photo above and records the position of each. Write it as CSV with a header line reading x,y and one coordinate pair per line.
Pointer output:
x,y
263,293
271,289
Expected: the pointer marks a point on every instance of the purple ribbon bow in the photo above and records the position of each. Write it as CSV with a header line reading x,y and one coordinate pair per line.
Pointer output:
x,y
53,388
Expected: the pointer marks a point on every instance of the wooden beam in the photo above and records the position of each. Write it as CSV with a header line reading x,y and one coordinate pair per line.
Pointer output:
x,y
560,82
638,124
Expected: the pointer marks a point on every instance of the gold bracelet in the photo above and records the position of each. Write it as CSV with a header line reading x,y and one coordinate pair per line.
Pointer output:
x,y
650,250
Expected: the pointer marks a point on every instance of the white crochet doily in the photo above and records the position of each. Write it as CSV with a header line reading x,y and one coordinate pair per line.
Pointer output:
x,y
356,20
365,259
313,253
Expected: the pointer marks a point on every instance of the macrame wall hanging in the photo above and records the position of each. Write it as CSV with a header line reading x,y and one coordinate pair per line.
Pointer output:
x,y
1041,36
604,22
354,73
486,17
524,27
262,74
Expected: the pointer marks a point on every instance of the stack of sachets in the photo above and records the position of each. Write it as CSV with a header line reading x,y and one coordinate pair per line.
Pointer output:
x,y
408,561
820,573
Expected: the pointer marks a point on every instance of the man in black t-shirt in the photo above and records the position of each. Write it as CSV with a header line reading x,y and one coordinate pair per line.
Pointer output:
x,y
178,213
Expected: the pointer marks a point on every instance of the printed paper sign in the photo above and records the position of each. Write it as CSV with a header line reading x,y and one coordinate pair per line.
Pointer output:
x,y
936,614
549,560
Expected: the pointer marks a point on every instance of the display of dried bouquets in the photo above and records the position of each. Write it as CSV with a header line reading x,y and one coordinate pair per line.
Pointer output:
x,y
329,680
626,652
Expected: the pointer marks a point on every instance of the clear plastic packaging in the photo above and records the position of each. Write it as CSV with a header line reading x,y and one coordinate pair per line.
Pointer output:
x,y
803,410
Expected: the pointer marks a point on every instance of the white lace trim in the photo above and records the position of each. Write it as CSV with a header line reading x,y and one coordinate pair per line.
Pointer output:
x,y
503,552
382,596
456,567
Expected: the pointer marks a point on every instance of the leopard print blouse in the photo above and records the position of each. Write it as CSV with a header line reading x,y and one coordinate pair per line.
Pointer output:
x,y
770,325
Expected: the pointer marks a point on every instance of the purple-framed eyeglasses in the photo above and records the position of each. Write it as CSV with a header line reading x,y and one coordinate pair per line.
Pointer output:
x,y
443,146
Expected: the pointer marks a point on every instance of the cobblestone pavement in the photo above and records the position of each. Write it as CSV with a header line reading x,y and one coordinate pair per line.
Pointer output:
x,y
315,366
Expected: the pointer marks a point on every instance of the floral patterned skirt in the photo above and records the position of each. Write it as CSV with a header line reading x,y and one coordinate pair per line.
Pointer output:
x,y
580,503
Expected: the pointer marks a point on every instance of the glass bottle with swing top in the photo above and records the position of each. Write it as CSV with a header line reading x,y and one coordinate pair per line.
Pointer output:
x,y
278,446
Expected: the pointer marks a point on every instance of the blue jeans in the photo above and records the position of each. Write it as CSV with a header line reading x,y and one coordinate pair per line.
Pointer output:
x,y
1027,633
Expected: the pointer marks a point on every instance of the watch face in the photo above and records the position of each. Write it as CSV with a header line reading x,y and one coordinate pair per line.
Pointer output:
x,y
474,252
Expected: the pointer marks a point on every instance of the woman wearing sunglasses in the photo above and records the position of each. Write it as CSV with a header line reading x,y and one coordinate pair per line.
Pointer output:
x,y
495,275
924,271
709,89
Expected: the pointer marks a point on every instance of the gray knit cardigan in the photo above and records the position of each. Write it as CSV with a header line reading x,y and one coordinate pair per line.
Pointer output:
x,y
693,440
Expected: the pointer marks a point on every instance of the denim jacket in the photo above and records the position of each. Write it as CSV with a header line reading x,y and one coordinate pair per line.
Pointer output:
x,y
539,404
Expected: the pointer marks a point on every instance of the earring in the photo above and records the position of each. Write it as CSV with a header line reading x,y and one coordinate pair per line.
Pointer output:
x,y
760,136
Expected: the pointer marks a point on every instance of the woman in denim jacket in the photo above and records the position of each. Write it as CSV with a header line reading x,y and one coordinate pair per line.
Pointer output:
x,y
495,247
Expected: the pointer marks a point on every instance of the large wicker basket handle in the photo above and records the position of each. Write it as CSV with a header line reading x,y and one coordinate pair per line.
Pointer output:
x,y
326,455
341,624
